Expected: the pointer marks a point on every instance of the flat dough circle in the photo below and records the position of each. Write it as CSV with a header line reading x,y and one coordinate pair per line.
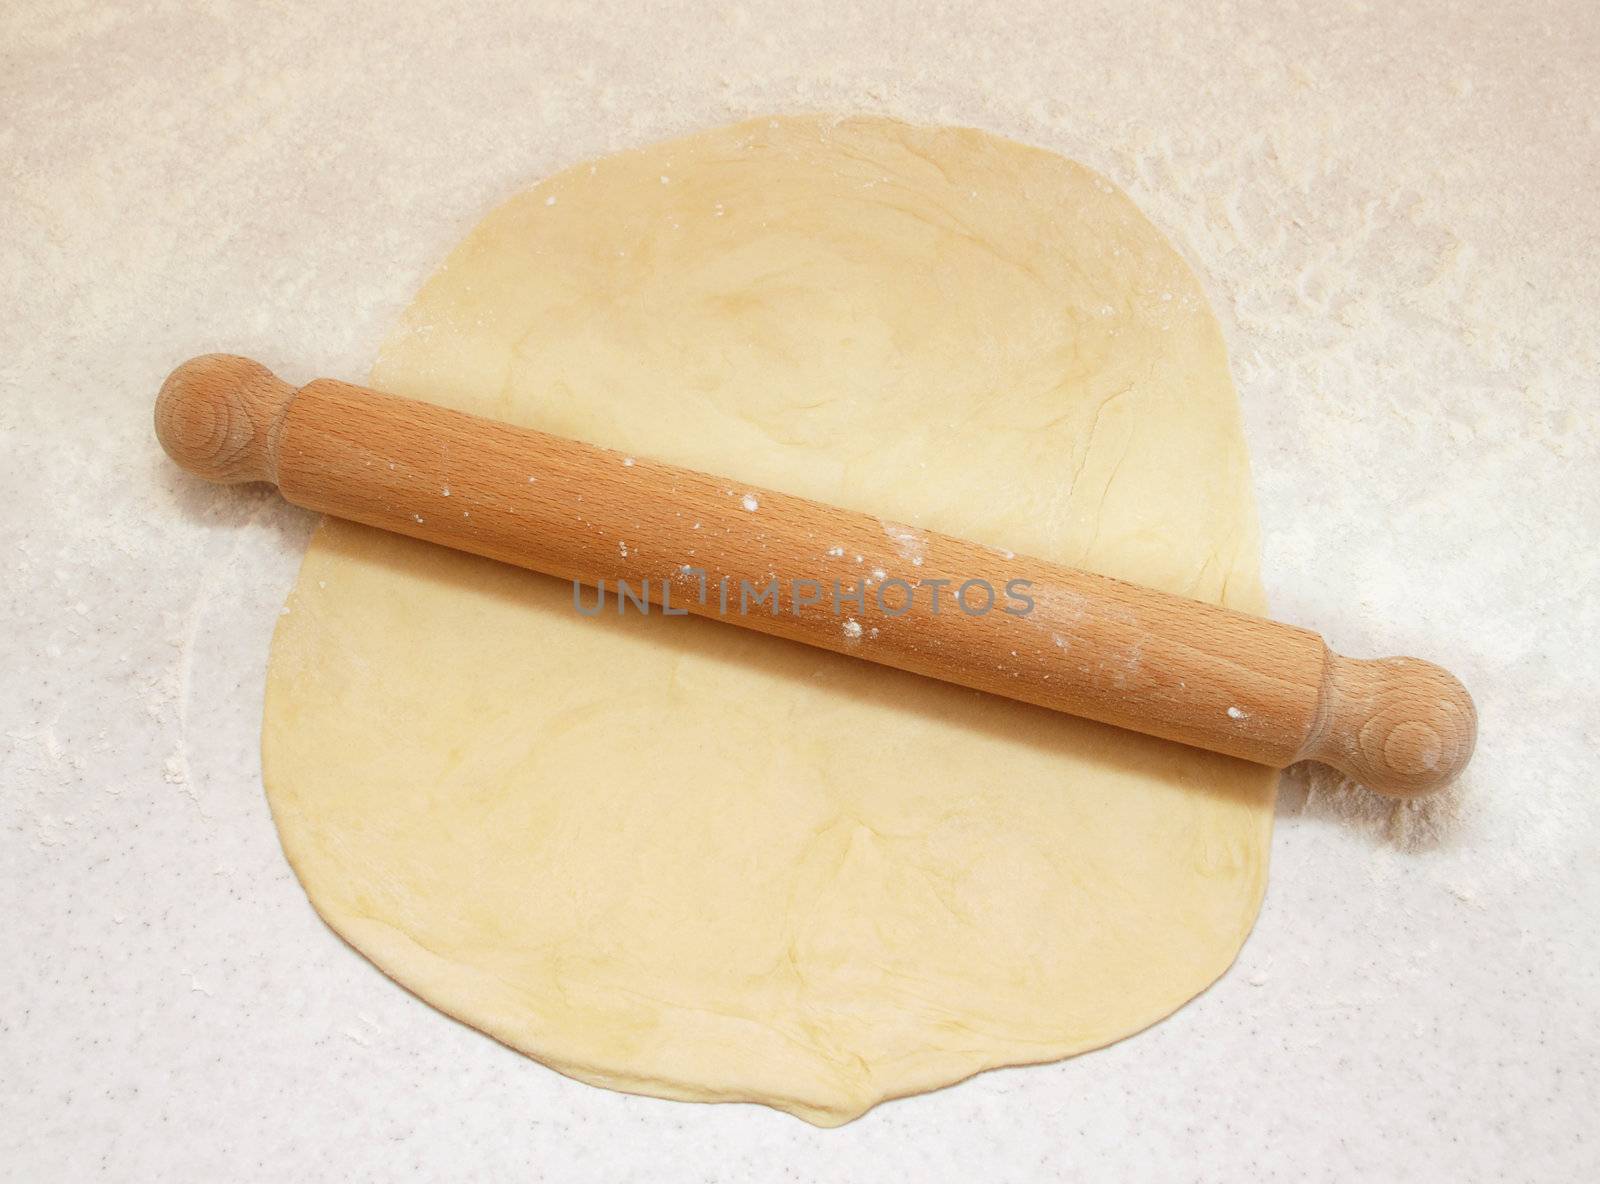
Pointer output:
x,y
674,857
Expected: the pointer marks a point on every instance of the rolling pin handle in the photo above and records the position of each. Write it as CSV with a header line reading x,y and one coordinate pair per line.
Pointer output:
x,y
1400,726
218,416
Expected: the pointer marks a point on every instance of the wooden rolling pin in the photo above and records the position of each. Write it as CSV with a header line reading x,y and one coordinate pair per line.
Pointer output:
x,y
1051,635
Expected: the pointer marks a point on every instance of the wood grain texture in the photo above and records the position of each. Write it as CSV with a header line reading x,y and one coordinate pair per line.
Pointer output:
x,y
218,415
1092,646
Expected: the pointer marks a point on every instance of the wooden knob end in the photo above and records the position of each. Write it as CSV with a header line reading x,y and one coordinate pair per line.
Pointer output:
x,y
1397,725
217,416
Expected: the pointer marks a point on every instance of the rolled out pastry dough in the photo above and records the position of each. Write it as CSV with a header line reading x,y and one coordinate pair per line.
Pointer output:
x,y
678,858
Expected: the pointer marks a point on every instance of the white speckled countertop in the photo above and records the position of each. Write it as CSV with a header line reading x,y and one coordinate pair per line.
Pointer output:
x,y
1393,208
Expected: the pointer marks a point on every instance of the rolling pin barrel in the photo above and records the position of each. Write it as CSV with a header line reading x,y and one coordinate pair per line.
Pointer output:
x,y
916,600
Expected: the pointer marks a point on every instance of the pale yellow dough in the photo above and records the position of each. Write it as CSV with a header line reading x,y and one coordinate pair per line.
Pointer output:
x,y
678,858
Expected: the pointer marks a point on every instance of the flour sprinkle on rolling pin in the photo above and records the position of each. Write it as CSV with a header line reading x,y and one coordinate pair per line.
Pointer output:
x,y
684,541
